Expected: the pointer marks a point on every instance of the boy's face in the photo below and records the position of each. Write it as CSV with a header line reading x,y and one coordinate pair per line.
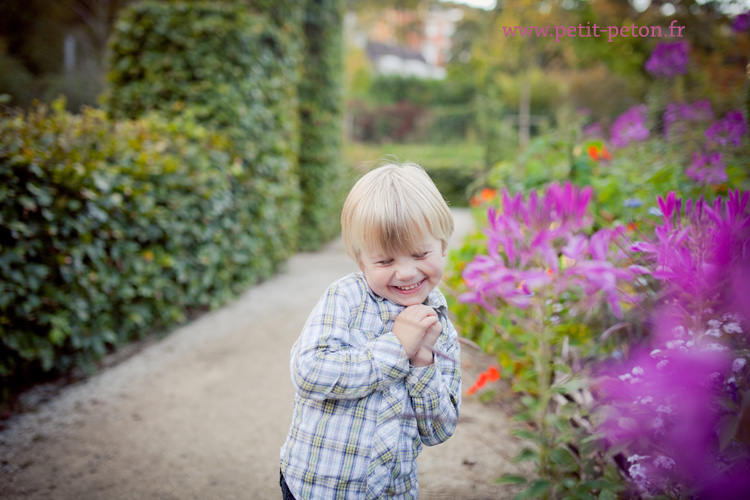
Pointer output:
x,y
403,278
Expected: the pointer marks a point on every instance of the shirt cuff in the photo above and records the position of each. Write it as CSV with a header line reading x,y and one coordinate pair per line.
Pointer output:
x,y
423,380
390,357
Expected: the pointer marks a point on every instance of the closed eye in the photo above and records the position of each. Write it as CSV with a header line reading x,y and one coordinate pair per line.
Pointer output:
x,y
421,255
384,262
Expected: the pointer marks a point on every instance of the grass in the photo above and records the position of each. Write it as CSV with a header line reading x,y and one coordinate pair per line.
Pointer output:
x,y
459,155
454,168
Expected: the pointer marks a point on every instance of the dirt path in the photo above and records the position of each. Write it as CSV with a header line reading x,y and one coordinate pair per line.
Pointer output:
x,y
202,413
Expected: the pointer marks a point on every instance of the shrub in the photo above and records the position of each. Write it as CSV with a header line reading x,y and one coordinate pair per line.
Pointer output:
x,y
320,92
232,70
115,229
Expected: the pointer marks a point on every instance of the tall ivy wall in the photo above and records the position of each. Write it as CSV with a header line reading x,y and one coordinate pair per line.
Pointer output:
x,y
322,174
182,192
233,70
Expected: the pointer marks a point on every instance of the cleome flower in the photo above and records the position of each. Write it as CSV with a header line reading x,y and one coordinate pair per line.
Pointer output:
x,y
541,244
668,60
687,406
630,127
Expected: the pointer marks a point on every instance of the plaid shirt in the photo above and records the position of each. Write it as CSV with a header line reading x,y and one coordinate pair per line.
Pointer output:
x,y
361,411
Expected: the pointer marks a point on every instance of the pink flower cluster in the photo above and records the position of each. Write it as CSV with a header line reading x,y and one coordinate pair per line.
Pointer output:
x,y
541,243
668,59
679,115
676,406
630,126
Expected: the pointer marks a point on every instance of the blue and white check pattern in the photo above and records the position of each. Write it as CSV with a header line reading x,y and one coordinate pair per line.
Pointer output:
x,y
361,411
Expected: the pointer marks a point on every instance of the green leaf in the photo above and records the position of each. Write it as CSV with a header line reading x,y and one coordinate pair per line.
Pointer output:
x,y
511,479
537,489
526,454
606,494
562,457
529,435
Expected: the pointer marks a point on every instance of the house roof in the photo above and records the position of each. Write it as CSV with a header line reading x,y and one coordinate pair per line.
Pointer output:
x,y
376,50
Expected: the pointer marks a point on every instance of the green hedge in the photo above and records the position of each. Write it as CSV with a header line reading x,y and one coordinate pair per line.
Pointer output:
x,y
232,70
321,171
114,227
112,230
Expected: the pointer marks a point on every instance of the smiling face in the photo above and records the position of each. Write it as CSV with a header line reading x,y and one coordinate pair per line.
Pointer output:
x,y
402,277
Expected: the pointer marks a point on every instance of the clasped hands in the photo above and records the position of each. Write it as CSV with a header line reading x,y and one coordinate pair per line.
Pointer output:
x,y
418,328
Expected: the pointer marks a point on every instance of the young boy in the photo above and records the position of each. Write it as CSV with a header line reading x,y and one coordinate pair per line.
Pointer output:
x,y
376,369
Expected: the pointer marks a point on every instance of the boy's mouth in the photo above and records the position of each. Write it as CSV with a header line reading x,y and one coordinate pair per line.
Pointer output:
x,y
409,288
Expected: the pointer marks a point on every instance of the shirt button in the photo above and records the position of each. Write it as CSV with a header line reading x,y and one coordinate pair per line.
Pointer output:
x,y
412,379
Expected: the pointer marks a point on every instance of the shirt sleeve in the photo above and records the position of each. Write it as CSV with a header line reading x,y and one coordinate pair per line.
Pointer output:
x,y
435,390
325,364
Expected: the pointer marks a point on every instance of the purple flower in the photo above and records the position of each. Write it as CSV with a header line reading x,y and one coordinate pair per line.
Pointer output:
x,y
528,244
676,411
668,59
742,22
593,130
678,115
707,168
696,250
729,130
630,126
657,405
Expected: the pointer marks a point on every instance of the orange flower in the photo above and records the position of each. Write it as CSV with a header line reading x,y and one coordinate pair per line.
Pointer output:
x,y
486,195
491,375
597,153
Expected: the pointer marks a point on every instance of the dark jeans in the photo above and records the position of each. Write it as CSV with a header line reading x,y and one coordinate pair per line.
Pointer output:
x,y
285,493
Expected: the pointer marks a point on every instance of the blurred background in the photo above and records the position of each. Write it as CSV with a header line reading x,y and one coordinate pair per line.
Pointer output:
x,y
435,80
159,158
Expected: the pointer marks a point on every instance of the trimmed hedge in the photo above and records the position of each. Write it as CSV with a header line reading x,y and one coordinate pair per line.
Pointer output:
x,y
232,70
321,92
112,227
113,230
181,194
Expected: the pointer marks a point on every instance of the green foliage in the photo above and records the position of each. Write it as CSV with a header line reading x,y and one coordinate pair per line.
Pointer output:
x,y
320,94
15,80
111,230
233,71
409,109
181,196
634,173
420,91
454,168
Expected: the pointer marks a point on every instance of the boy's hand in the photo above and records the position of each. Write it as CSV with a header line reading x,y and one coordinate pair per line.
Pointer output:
x,y
411,326
424,356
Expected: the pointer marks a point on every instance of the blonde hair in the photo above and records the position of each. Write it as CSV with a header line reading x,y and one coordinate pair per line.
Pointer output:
x,y
391,209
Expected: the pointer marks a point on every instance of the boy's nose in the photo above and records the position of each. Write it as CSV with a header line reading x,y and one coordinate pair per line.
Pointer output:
x,y
405,272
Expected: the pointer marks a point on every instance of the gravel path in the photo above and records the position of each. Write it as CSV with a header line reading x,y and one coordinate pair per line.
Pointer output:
x,y
201,414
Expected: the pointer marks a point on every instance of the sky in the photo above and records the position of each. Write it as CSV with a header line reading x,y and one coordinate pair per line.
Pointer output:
x,y
482,4
490,4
